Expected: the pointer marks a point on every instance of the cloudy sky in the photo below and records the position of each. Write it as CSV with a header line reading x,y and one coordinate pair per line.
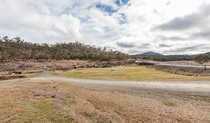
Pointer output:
x,y
131,26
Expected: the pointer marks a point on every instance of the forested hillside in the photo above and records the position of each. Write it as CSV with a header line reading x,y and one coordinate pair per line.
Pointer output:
x,y
18,49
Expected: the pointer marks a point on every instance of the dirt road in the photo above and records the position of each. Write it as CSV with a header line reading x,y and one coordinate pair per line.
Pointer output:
x,y
190,87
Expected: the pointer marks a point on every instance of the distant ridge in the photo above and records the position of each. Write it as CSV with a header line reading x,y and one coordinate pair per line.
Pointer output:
x,y
160,57
150,54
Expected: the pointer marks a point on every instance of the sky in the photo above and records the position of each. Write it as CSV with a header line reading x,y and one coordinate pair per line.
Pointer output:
x,y
130,26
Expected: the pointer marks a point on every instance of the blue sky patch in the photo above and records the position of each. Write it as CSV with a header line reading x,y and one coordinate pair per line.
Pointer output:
x,y
121,2
105,8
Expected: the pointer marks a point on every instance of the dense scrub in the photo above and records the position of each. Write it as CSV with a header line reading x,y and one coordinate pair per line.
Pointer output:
x,y
18,49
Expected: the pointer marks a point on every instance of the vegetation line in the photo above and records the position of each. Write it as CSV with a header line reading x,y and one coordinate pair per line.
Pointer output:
x,y
18,49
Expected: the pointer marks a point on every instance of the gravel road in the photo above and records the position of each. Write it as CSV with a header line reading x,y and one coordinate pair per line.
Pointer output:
x,y
191,87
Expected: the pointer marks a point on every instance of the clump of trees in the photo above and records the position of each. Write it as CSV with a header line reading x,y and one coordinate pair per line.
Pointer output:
x,y
202,58
18,49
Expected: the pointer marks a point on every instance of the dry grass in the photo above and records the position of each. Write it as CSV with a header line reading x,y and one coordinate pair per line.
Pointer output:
x,y
46,102
22,106
63,103
126,73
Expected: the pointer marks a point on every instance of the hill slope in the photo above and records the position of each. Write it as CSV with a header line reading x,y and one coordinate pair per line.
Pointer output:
x,y
151,54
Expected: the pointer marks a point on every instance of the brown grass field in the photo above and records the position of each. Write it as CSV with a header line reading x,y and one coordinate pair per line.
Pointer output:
x,y
52,102
56,102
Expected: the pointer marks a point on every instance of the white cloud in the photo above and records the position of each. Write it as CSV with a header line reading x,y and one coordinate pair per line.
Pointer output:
x,y
131,25
34,21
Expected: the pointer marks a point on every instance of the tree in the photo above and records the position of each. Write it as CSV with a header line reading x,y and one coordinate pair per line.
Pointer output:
x,y
202,58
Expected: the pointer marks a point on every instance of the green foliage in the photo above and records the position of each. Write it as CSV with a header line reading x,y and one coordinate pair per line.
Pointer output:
x,y
18,49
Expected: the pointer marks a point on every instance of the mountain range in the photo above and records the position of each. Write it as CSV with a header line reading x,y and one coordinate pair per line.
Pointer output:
x,y
150,54
161,57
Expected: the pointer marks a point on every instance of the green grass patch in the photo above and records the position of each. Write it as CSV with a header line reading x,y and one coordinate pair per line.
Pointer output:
x,y
169,103
123,73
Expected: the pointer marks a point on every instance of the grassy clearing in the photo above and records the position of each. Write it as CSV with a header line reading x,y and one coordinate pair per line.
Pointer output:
x,y
125,73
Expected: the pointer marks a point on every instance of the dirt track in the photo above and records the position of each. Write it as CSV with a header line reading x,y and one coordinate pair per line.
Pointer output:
x,y
190,87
